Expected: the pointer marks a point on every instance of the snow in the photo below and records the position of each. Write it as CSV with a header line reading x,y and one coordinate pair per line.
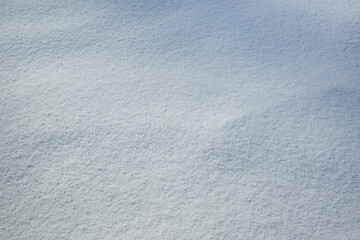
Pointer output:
x,y
180,119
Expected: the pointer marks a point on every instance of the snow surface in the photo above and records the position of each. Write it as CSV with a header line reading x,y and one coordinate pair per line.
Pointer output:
x,y
180,119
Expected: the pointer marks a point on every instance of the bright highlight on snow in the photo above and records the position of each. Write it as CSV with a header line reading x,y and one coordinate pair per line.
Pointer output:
x,y
180,119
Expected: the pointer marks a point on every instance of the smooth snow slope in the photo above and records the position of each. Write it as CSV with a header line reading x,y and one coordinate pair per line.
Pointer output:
x,y
180,119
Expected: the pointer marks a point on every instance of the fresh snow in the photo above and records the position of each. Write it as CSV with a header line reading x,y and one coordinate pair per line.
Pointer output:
x,y
180,119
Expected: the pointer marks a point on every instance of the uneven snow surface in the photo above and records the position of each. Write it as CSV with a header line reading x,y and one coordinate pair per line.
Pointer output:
x,y
131,119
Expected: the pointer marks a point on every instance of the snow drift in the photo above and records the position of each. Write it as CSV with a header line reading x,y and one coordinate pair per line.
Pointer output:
x,y
180,119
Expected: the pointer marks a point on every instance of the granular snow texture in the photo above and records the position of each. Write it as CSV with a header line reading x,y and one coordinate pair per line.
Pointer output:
x,y
232,119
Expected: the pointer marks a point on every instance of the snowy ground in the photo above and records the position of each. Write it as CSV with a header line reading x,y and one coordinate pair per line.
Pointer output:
x,y
232,119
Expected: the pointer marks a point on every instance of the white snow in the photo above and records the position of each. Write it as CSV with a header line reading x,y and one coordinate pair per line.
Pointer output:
x,y
180,119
